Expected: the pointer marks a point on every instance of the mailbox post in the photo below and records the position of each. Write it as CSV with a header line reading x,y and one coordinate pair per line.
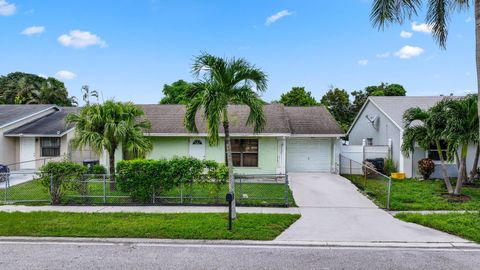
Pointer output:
x,y
229,198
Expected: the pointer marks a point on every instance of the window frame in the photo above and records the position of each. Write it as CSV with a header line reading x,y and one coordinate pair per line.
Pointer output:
x,y
243,152
433,149
56,149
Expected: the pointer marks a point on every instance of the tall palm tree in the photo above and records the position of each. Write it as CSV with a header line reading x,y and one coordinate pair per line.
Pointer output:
x,y
461,130
385,12
107,126
426,128
224,82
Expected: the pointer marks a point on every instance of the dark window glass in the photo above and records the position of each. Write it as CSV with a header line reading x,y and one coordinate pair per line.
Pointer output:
x,y
244,152
50,147
433,153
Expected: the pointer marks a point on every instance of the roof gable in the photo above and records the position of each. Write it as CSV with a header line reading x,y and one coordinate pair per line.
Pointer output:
x,y
12,113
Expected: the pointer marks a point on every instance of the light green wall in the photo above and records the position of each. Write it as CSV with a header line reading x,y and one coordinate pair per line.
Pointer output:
x,y
168,147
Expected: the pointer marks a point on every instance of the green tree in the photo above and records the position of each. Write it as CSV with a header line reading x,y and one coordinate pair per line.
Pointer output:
x,y
223,82
383,89
297,96
24,88
338,104
386,12
176,93
108,126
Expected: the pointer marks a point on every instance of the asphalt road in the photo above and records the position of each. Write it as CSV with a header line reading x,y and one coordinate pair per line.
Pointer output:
x,y
144,255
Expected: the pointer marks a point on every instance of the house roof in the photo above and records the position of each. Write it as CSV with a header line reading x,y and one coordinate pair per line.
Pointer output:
x,y
395,106
168,119
12,113
52,125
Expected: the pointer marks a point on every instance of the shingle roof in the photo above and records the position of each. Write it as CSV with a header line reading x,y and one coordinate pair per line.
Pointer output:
x,y
284,120
50,125
10,113
395,107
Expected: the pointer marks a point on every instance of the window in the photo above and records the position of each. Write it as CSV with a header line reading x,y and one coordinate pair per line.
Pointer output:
x,y
433,153
50,147
197,142
369,141
244,152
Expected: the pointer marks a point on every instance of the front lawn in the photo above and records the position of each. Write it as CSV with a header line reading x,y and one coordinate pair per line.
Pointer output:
x,y
172,226
411,194
464,225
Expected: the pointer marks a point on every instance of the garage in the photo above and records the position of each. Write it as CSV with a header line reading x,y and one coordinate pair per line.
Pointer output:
x,y
309,155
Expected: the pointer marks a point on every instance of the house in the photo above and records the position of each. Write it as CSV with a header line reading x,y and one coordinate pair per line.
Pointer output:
x,y
380,123
294,139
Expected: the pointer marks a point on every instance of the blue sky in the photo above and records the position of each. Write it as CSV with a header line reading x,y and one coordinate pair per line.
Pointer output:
x,y
128,49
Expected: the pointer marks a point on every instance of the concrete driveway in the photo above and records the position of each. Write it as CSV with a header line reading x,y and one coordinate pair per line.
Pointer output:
x,y
333,210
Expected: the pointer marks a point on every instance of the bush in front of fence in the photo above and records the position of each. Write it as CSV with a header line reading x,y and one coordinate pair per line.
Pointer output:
x,y
142,178
59,177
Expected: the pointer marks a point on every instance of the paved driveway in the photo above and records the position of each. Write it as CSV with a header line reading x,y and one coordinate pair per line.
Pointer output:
x,y
333,210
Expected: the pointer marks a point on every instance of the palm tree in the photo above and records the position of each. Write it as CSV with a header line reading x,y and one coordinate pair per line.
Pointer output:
x,y
109,125
426,128
224,82
461,130
386,12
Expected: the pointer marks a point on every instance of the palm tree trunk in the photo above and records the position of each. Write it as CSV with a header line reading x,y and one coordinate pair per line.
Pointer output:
x,y
473,172
444,169
111,165
231,179
462,169
477,50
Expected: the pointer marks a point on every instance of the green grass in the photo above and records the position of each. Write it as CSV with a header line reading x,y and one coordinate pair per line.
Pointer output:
x,y
250,194
464,225
411,194
172,226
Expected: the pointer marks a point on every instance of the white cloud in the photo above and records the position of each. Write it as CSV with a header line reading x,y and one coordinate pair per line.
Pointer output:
x,y
423,27
81,39
277,16
469,19
7,9
383,55
65,75
32,30
407,52
405,34
363,62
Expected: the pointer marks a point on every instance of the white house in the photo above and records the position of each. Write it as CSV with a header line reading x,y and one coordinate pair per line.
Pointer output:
x,y
380,122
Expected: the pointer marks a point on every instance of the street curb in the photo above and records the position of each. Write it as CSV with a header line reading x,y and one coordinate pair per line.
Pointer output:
x,y
326,244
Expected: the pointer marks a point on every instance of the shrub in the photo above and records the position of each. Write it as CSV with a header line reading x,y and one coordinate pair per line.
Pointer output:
x,y
216,176
58,177
426,167
389,167
97,169
185,169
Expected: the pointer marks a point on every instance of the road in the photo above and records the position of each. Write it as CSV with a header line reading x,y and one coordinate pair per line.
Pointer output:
x,y
42,254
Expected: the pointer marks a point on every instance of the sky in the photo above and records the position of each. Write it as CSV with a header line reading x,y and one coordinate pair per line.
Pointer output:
x,y
128,49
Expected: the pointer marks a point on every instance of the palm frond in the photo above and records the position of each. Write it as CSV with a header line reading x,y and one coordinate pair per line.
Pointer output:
x,y
385,12
438,17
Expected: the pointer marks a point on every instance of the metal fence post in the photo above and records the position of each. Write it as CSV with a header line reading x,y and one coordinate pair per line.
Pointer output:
x,y
389,191
286,190
6,187
104,188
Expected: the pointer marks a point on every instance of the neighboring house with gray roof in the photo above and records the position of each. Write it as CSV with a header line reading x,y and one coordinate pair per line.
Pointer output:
x,y
294,139
380,122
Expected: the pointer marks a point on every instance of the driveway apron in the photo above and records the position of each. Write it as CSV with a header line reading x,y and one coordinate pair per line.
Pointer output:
x,y
334,210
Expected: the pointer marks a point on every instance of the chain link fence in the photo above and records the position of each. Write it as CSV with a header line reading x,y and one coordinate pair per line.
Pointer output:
x,y
101,189
368,179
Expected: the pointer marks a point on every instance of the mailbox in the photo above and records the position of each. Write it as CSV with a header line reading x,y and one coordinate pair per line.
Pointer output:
x,y
229,197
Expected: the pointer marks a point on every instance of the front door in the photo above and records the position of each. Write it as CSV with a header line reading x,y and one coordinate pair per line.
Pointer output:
x,y
197,148
27,153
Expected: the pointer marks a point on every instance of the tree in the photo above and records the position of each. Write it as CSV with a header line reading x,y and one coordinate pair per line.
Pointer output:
x,y
87,94
24,88
338,104
110,125
385,12
297,96
176,93
428,130
384,89
223,82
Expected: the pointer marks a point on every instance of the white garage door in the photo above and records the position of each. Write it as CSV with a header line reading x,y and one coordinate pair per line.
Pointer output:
x,y
309,155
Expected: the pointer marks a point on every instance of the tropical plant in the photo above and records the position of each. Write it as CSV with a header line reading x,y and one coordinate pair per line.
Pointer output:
x,y
426,128
223,82
87,94
108,126
426,167
298,96
385,12
389,166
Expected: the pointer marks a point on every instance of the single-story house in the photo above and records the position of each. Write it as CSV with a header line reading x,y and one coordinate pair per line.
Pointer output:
x,y
380,123
294,139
